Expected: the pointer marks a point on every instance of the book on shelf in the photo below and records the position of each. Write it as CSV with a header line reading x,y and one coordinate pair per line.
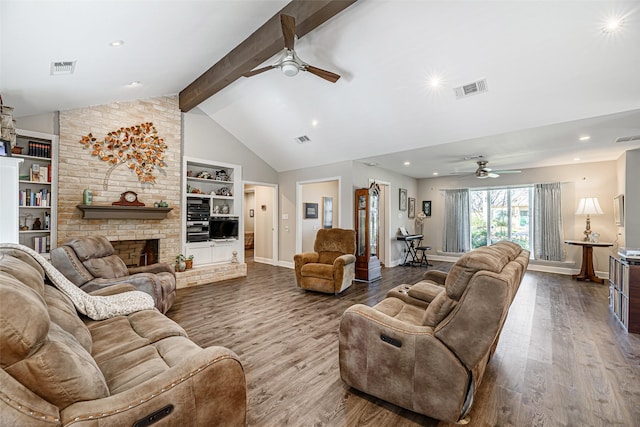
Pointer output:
x,y
41,244
32,198
39,149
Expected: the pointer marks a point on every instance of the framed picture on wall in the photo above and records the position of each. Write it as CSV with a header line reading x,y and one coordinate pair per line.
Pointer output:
x,y
426,207
403,199
412,207
310,211
327,212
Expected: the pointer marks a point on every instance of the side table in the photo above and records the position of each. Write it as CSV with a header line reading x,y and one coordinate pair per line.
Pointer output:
x,y
586,270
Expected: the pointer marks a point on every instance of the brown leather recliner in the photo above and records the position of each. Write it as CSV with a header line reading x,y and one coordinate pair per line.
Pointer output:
x,y
332,267
91,264
425,347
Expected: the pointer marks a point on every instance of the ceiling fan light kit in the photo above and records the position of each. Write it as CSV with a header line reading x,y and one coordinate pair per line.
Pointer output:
x,y
290,64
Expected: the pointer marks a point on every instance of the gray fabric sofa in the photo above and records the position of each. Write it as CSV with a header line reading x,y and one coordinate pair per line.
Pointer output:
x,y
90,262
60,369
425,346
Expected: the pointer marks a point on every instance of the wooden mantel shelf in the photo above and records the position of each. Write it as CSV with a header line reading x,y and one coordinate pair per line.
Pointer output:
x,y
122,212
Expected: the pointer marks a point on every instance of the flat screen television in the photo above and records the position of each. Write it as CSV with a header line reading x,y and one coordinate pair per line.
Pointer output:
x,y
223,228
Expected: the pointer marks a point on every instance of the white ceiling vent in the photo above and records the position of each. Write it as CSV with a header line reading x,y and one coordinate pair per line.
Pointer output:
x,y
479,86
59,68
628,138
302,139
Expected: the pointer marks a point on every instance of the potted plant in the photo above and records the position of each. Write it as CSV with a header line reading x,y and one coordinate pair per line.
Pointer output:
x,y
189,262
180,262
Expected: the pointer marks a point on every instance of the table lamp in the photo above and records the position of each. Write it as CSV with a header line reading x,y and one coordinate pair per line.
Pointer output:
x,y
588,206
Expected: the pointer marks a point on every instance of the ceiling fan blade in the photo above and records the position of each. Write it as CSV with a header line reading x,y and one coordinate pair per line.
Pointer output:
x,y
288,30
509,171
258,71
493,175
327,75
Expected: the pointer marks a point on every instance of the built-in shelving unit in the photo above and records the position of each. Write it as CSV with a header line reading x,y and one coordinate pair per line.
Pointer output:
x,y
214,188
624,292
38,189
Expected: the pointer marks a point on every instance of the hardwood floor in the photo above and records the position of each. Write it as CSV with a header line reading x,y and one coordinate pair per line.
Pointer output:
x,y
562,359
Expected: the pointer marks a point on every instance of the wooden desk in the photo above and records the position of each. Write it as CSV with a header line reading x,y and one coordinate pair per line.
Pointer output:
x,y
586,270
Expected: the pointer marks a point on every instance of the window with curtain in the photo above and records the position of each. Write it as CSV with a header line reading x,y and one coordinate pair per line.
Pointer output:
x,y
501,214
547,222
457,231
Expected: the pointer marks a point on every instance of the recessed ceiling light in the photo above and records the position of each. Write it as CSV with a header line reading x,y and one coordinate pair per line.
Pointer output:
x,y
585,138
407,163
435,81
116,43
134,84
576,159
372,164
314,123
435,173
612,25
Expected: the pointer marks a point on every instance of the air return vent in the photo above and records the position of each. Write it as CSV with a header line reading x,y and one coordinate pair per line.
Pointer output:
x,y
59,68
479,86
302,139
628,138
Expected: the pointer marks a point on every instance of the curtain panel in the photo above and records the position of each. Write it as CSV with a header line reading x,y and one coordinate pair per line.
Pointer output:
x,y
547,222
457,221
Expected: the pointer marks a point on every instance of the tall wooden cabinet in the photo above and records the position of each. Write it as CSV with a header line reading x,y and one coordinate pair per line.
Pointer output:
x,y
367,222
624,292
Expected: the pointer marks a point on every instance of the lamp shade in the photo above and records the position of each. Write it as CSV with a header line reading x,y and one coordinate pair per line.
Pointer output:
x,y
589,206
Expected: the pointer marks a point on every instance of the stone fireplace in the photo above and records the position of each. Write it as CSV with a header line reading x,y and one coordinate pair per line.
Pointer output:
x,y
137,253
79,169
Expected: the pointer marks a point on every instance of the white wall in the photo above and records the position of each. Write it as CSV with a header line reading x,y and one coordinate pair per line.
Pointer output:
x,y
632,200
205,139
578,180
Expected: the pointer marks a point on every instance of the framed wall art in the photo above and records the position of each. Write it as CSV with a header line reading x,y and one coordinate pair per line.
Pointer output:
x,y
426,207
310,211
403,199
412,207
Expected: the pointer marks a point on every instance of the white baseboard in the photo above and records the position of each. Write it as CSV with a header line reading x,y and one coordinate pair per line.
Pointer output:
x,y
287,264
265,260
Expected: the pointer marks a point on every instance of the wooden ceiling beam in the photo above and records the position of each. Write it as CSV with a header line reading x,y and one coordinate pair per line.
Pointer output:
x,y
265,42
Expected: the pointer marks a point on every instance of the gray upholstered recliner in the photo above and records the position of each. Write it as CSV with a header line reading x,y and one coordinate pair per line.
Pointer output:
x,y
91,263
331,268
425,347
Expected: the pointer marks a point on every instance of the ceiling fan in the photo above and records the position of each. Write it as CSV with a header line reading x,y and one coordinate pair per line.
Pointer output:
x,y
290,63
484,172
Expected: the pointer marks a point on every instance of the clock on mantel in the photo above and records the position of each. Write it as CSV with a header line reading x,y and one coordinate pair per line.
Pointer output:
x,y
128,198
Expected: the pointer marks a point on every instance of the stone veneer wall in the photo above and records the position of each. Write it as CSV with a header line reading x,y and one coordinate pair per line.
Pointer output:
x,y
78,170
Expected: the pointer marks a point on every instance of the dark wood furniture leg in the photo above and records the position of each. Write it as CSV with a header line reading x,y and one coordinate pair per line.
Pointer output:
x,y
586,271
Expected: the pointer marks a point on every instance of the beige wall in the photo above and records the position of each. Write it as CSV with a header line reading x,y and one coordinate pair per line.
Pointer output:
x,y
632,200
579,180
78,169
263,239
45,123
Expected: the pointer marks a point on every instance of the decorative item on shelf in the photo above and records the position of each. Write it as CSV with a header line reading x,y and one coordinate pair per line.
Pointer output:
x,y
193,190
221,175
128,198
224,209
163,204
224,191
24,226
188,262
87,196
234,257
138,146
595,237
189,173
588,206
16,150
37,225
181,265
204,175
7,127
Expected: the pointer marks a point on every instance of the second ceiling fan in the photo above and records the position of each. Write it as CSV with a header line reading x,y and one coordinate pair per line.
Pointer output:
x,y
290,63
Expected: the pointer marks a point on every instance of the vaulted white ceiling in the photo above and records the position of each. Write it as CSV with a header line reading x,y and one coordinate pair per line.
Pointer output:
x,y
553,75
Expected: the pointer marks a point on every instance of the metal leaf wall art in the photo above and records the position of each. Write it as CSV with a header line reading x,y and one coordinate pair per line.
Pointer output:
x,y
139,147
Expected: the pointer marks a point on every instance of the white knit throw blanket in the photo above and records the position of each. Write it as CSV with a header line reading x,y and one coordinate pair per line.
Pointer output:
x,y
96,307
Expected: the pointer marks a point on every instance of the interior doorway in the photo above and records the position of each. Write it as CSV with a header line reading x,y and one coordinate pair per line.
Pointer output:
x,y
260,207
317,206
